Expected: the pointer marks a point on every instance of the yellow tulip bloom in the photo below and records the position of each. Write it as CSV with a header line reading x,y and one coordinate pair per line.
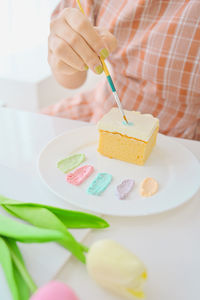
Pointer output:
x,y
116,268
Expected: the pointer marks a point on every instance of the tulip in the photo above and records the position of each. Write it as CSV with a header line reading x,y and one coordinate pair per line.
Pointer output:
x,y
116,269
54,290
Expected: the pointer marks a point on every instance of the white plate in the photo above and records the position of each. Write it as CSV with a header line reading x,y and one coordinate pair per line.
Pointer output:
x,y
175,168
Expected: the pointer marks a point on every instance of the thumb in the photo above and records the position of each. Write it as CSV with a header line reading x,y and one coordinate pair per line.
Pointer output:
x,y
108,38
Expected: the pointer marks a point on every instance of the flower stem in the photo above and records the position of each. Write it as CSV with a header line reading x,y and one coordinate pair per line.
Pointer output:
x,y
84,248
24,273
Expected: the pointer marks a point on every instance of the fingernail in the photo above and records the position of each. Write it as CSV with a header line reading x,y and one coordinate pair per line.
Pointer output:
x,y
86,67
98,69
104,53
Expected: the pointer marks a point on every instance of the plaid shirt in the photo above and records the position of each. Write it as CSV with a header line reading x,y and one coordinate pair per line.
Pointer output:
x,y
156,67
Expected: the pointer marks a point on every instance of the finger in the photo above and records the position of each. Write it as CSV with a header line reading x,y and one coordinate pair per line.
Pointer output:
x,y
81,24
108,38
59,66
80,47
65,53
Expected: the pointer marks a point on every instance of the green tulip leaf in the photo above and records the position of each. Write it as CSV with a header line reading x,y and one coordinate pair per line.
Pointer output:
x,y
43,218
70,218
7,265
25,233
23,280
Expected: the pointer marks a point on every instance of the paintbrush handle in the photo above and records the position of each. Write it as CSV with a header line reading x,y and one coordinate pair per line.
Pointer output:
x,y
110,81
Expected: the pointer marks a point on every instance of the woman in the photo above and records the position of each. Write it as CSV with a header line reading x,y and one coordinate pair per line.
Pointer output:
x,y
155,61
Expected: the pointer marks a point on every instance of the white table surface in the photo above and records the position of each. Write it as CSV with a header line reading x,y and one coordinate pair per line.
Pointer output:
x,y
168,243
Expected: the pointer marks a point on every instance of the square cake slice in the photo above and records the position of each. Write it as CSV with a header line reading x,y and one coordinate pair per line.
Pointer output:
x,y
131,142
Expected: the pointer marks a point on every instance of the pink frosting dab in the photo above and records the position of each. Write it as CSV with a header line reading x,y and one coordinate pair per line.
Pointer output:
x,y
79,175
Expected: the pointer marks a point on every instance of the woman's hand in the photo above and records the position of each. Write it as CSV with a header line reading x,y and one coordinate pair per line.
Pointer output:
x,y
75,45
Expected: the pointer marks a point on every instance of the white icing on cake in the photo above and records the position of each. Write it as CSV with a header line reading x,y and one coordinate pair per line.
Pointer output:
x,y
142,128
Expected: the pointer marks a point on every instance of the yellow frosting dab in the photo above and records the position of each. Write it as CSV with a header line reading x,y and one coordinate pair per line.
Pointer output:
x,y
148,187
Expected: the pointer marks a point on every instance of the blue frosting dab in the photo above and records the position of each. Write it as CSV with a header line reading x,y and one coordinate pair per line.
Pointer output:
x,y
127,124
99,184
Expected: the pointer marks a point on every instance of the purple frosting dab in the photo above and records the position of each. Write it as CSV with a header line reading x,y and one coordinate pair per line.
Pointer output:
x,y
124,188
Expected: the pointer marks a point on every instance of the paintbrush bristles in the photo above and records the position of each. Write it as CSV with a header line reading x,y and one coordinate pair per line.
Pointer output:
x,y
125,119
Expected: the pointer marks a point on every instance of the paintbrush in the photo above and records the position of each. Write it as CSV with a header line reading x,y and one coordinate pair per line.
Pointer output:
x,y
108,77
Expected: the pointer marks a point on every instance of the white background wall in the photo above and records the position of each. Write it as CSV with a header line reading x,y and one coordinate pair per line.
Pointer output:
x,y
25,78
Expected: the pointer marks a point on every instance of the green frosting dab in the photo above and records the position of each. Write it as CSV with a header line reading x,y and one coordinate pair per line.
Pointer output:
x,y
71,162
99,184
